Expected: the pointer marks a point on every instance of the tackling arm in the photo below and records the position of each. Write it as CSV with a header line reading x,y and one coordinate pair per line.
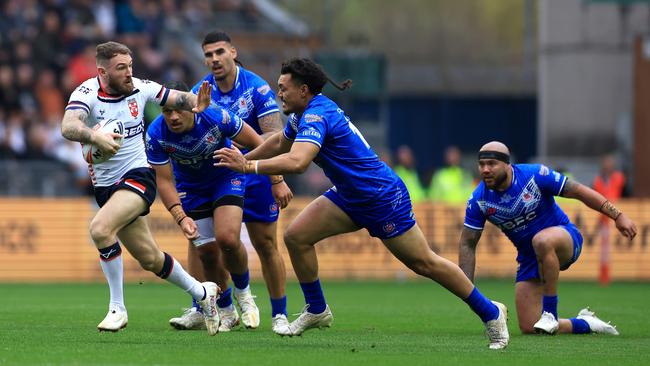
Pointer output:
x,y
469,239
295,161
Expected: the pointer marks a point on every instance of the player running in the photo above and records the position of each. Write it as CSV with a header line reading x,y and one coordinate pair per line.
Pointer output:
x,y
366,194
125,185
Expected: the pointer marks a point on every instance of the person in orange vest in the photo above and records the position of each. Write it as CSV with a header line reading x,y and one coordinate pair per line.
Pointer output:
x,y
610,183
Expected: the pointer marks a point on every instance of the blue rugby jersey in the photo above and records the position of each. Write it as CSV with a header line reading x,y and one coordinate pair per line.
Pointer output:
x,y
250,98
191,152
345,156
524,209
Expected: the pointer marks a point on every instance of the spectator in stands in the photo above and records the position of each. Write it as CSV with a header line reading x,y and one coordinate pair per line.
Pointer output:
x,y
451,184
610,182
406,170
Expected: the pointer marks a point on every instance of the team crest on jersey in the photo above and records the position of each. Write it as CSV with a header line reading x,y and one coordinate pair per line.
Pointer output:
x,y
491,211
236,182
169,149
273,207
133,107
526,197
389,227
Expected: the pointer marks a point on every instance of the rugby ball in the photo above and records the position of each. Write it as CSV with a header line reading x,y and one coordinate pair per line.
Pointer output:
x,y
91,153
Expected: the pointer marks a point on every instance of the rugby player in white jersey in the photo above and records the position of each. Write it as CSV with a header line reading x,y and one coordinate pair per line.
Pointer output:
x,y
125,185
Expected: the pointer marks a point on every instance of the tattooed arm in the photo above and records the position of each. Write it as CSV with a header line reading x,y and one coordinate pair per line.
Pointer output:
x,y
74,127
598,202
188,101
270,124
467,251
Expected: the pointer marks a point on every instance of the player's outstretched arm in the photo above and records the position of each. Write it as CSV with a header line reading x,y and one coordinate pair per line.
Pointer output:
x,y
74,127
273,146
169,197
297,160
598,202
189,101
467,251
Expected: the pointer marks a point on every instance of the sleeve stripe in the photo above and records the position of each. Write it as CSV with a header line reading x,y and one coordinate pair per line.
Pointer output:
x,y
307,140
472,227
284,133
274,110
71,107
78,104
562,186
165,95
160,92
241,127
158,162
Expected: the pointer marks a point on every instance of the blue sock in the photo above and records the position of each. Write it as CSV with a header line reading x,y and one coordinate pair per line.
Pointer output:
x,y
580,326
314,297
240,280
549,304
196,305
482,306
225,299
279,306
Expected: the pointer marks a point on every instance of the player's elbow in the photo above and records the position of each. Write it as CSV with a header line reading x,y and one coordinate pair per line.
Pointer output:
x,y
298,166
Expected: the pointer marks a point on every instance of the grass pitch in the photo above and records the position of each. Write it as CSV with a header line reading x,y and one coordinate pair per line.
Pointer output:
x,y
375,323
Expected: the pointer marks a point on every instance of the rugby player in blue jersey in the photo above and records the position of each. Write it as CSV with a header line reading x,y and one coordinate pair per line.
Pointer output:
x,y
518,198
207,202
366,194
248,96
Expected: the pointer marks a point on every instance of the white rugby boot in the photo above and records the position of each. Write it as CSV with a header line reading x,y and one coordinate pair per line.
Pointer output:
x,y
115,320
547,324
250,314
595,324
307,320
191,319
209,307
280,325
229,318
497,329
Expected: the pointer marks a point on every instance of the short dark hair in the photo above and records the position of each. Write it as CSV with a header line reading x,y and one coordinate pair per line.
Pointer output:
x,y
308,72
216,36
177,85
108,50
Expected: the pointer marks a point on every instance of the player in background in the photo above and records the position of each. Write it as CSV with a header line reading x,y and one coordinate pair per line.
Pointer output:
x,y
125,185
518,198
248,96
180,145
366,194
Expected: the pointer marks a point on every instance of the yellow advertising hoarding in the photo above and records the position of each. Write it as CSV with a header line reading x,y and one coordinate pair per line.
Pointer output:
x,y
47,240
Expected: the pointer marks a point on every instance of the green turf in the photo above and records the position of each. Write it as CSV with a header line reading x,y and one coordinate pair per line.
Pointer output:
x,y
412,323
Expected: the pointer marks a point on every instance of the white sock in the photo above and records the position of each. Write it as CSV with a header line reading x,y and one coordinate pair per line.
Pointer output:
x,y
114,273
189,284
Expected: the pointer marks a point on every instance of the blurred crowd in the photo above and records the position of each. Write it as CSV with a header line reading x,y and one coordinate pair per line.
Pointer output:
x,y
47,48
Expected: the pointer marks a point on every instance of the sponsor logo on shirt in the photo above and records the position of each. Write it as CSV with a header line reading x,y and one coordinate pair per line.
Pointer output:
x,y
544,170
264,89
311,132
312,118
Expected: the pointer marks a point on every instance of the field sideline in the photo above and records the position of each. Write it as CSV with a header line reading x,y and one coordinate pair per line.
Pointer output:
x,y
375,323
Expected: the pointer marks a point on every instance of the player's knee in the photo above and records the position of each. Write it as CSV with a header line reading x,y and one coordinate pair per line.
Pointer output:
x,y
266,248
541,244
100,232
228,241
